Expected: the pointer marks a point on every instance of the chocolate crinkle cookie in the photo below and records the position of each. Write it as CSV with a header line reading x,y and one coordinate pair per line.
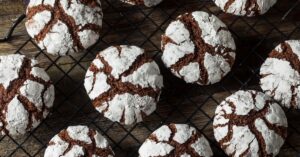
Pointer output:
x,y
147,3
245,7
27,94
124,84
63,27
249,123
175,140
280,74
198,48
78,141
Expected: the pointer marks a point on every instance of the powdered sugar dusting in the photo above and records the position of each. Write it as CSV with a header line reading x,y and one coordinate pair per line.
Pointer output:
x,y
178,48
79,133
211,31
201,147
151,148
75,151
85,20
48,2
272,139
9,68
58,41
16,117
71,146
279,79
49,96
40,73
89,81
33,90
101,142
124,84
98,63
185,155
131,106
38,22
233,124
191,72
183,44
99,87
163,133
295,46
83,14
88,37
183,133
217,67
241,7
274,115
265,5
160,142
241,140
29,98
56,149
148,75
121,61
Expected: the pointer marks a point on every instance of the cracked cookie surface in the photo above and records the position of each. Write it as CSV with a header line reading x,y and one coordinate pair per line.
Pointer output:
x,y
64,27
147,3
27,94
124,84
245,7
198,48
78,141
280,74
175,140
249,123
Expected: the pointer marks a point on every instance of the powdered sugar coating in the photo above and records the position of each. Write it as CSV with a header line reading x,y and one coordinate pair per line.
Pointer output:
x,y
9,68
245,7
72,138
56,148
79,133
16,117
249,123
120,62
145,76
64,27
175,138
124,84
33,90
281,75
147,3
191,72
204,57
27,94
132,107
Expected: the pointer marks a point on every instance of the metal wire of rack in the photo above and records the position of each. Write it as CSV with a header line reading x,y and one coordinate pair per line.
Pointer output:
x,y
180,102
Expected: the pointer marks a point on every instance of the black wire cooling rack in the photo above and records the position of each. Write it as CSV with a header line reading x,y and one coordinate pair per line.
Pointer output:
x,y
180,102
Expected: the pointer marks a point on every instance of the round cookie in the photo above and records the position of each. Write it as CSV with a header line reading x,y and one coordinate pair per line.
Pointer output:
x,y
124,84
198,48
27,94
76,141
245,7
280,74
147,3
63,27
176,140
249,123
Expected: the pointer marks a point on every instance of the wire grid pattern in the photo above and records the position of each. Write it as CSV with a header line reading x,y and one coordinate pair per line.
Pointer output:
x,y
180,102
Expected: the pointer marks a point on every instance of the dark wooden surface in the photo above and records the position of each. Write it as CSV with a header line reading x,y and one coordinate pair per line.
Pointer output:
x,y
181,103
